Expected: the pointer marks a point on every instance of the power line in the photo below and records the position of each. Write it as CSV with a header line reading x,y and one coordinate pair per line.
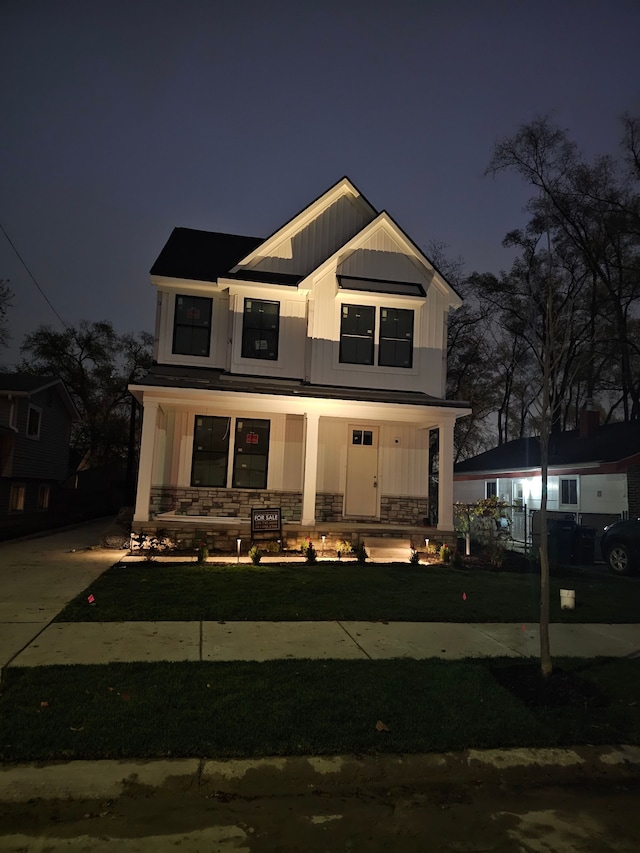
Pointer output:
x,y
20,258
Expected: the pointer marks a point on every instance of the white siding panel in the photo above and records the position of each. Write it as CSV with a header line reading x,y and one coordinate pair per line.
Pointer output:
x,y
316,241
382,258
294,453
292,339
404,460
277,451
603,493
325,368
332,455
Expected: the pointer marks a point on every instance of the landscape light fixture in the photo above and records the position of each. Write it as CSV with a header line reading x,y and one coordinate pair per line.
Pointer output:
x,y
323,541
238,543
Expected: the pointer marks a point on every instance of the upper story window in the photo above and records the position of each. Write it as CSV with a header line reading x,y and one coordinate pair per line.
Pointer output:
x,y
260,327
192,326
33,422
396,337
357,329
358,336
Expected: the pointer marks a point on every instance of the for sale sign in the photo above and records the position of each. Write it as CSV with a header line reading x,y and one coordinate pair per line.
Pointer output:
x,y
266,520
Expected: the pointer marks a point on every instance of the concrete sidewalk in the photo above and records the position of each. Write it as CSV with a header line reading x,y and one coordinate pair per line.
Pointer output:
x,y
105,642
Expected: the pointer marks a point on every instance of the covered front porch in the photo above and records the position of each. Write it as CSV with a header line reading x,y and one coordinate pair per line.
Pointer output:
x,y
334,467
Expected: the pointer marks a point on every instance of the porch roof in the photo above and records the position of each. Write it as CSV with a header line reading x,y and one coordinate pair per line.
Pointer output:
x,y
174,377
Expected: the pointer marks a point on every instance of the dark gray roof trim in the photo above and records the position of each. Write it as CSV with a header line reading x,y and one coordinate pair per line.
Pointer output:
x,y
170,376
375,285
608,443
266,277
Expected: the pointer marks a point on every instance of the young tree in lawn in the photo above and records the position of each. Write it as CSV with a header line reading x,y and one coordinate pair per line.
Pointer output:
x,y
96,364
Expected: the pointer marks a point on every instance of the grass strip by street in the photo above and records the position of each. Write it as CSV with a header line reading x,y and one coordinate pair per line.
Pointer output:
x,y
298,707
156,591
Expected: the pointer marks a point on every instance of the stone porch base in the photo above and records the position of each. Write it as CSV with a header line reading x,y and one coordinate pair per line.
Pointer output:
x,y
221,534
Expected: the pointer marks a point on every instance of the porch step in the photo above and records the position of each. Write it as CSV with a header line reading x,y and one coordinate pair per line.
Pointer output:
x,y
389,548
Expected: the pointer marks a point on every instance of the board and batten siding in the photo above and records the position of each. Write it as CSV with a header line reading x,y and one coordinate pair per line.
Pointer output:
x,y
426,373
218,351
173,450
403,457
292,336
304,250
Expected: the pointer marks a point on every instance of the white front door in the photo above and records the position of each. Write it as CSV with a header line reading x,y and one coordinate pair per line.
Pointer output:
x,y
361,492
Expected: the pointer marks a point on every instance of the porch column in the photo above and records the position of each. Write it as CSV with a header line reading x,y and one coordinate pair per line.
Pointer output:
x,y
145,469
445,475
310,479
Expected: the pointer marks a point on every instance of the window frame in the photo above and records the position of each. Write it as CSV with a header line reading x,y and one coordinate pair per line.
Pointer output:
x,y
396,338
184,325
210,455
376,339
350,336
241,426
491,489
569,481
34,436
234,453
17,497
44,497
246,341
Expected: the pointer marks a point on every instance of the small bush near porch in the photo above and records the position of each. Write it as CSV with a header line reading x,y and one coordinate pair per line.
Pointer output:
x,y
156,591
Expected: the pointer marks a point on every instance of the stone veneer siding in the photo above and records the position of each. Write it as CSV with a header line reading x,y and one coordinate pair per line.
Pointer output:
x,y
394,509
223,503
329,506
403,509
633,491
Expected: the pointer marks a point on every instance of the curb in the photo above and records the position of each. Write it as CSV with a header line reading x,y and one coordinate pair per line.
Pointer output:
x,y
287,776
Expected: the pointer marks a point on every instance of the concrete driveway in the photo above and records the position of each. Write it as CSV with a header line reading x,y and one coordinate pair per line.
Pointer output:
x,y
38,576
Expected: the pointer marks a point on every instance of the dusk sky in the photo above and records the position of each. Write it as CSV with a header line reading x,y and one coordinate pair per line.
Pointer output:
x,y
121,120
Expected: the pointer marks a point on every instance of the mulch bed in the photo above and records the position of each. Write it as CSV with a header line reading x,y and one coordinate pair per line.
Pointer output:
x,y
560,689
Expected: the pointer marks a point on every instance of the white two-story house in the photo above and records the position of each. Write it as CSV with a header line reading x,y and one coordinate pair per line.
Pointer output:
x,y
304,371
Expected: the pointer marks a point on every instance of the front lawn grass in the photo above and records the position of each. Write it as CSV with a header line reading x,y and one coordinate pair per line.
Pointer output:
x,y
298,707
156,591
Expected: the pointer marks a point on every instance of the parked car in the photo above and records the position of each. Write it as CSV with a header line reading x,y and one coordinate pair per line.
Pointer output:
x,y
620,546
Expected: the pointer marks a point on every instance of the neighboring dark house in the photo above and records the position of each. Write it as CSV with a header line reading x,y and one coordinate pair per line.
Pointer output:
x,y
36,414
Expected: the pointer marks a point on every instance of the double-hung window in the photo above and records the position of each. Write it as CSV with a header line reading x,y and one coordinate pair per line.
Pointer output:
x,y
357,330
211,451
396,337
34,417
569,492
260,327
251,455
192,326
358,336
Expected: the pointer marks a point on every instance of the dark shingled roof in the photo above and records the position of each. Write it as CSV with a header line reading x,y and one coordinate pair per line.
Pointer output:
x,y
25,383
174,376
608,443
202,255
